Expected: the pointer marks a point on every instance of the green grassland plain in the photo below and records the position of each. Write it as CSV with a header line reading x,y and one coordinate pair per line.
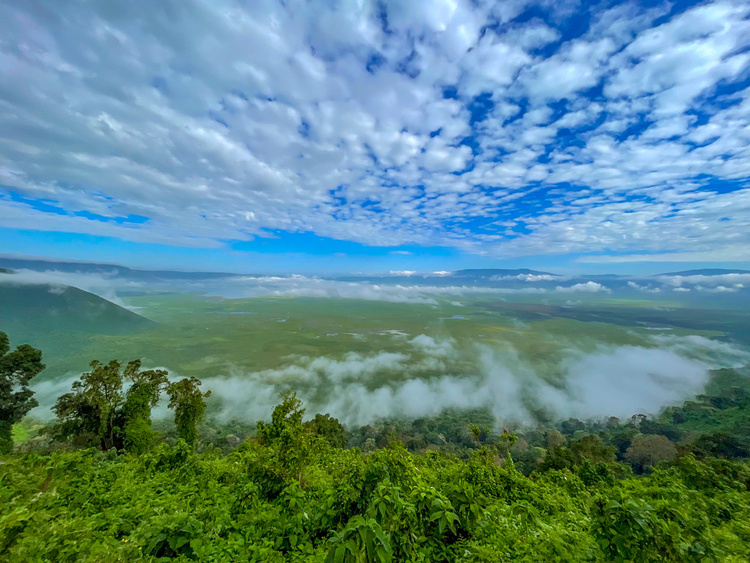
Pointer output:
x,y
202,336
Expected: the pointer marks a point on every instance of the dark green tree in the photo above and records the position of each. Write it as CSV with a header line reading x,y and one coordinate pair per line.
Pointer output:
x,y
329,428
99,413
189,407
88,415
141,397
17,368
289,442
649,449
592,448
721,444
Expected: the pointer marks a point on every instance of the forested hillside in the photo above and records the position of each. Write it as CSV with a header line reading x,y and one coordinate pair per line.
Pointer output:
x,y
101,483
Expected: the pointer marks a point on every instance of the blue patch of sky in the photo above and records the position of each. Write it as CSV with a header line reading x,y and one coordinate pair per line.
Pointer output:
x,y
634,129
726,93
593,94
559,108
471,142
408,65
450,92
38,204
480,107
718,185
374,62
215,116
336,195
160,83
312,244
523,106
382,17
131,218
304,129
676,8
569,27
49,206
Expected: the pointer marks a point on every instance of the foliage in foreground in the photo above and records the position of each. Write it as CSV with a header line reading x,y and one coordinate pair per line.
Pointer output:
x,y
665,489
289,495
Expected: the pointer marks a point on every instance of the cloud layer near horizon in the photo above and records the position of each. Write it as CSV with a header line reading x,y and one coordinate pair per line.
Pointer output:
x,y
503,128
111,286
431,375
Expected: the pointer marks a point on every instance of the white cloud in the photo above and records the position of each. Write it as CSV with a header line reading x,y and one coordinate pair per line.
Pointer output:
x,y
200,123
610,381
736,279
586,287
644,288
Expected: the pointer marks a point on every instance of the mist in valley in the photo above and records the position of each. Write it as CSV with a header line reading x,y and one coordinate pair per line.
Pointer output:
x,y
414,374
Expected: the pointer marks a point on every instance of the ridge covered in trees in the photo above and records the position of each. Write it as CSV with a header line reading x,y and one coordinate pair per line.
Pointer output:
x,y
102,483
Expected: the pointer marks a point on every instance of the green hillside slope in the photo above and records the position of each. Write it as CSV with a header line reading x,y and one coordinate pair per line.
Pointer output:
x,y
60,319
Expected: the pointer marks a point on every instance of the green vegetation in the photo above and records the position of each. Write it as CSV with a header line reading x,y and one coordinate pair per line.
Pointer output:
x,y
98,413
63,321
100,484
205,337
189,405
288,495
17,368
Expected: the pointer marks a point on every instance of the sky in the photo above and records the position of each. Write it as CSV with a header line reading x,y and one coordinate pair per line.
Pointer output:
x,y
369,136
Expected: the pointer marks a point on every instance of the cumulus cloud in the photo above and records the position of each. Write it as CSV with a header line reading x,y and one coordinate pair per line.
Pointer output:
x,y
382,123
644,288
586,287
305,286
529,277
707,281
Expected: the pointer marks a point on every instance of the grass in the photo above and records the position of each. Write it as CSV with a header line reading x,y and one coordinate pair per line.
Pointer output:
x,y
25,431
207,336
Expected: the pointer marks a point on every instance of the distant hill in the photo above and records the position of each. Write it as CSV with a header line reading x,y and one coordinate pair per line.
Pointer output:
x,y
490,272
58,319
706,272
110,270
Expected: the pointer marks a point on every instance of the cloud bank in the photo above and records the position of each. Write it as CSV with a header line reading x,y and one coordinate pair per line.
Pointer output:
x,y
610,381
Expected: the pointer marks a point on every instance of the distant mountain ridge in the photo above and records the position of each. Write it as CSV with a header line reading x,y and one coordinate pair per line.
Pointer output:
x,y
706,272
113,270
490,272
8,264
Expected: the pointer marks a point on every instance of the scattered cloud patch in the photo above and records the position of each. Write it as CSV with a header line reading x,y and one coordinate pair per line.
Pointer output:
x,y
585,287
617,129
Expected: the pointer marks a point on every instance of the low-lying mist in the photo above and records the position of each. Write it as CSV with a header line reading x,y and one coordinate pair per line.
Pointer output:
x,y
357,389
422,290
431,374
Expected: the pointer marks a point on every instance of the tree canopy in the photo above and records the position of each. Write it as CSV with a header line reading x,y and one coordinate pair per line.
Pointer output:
x,y
451,487
17,368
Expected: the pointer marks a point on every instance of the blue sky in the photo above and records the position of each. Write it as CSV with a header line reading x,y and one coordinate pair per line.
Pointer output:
x,y
377,136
